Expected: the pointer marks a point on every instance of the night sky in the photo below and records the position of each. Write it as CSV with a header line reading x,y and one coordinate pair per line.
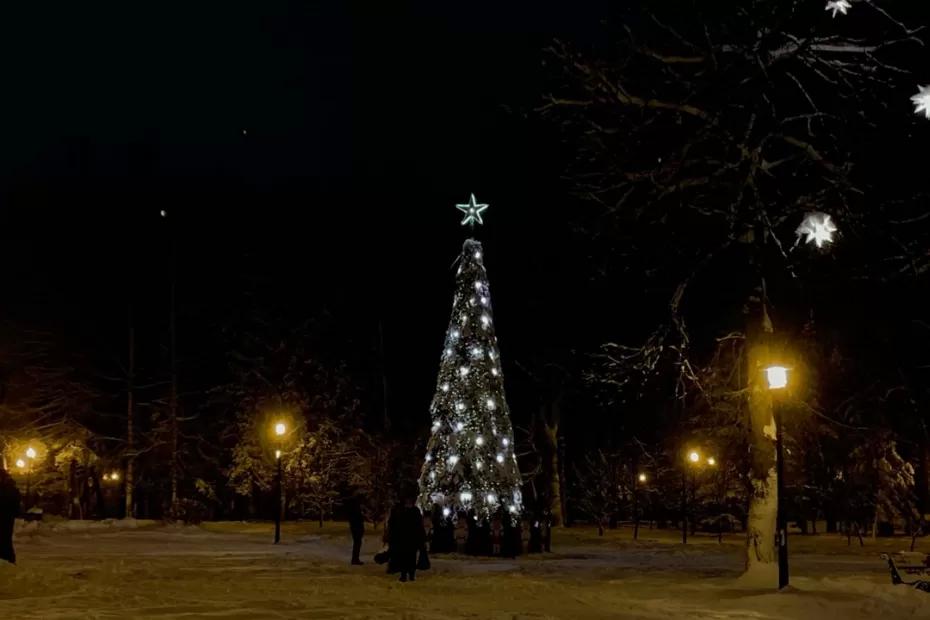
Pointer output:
x,y
310,153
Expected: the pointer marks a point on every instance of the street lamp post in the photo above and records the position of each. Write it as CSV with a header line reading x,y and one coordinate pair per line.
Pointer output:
x,y
694,461
777,377
21,465
637,482
30,457
279,430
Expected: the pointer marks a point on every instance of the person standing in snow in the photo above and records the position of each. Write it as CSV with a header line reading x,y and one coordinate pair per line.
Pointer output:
x,y
406,537
497,533
545,531
461,533
525,532
356,527
9,509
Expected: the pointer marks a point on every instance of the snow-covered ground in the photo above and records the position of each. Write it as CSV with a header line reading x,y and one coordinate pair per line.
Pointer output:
x,y
140,570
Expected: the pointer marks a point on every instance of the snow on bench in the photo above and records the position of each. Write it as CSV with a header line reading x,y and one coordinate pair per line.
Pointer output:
x,y
910,568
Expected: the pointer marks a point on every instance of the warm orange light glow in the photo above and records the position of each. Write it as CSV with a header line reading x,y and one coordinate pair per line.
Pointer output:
x,y
694,457
21,463
114,476
280,428
277,454
642,477
711,461
30,452
777,377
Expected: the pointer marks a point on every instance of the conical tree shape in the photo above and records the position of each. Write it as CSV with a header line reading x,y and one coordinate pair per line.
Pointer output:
x,y
470,463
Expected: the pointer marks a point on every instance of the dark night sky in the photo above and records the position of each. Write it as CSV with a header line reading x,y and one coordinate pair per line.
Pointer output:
x,y
316,146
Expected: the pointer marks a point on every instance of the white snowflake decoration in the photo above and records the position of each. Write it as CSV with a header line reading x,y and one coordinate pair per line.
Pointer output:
x,y
922,101
838,6
817,228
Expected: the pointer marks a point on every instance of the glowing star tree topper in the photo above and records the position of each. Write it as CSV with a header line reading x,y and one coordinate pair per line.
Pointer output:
x,y
469,462
838,6
922,101
472,211
817,228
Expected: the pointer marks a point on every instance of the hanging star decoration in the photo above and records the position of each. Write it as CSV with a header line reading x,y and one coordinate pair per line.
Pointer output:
x,y
922,101
817,228
472,211
838,6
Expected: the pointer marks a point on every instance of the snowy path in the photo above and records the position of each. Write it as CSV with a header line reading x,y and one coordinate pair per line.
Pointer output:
x,y
231,571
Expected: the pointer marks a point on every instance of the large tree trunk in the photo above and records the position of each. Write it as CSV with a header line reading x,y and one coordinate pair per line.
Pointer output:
x,y
761,552
130,438
173,405
922,477
551,433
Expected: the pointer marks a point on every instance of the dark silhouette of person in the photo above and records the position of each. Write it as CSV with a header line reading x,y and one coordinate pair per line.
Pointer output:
x,y
406,537
356,527
9,509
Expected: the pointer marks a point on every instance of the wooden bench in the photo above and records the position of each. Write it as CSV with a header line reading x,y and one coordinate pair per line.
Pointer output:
x,y
910,568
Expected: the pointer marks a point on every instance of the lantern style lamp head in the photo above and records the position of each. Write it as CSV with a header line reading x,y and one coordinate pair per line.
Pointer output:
x,y
280,428
777,377
694,457
642,477
114,476
711,461
20,463
30,452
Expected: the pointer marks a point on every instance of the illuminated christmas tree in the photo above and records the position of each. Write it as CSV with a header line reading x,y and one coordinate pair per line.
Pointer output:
x,y
470,463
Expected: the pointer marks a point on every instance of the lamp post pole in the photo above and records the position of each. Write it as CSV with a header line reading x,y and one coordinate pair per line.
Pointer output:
x,y
684,507
777,377
279,500
280,429
781,520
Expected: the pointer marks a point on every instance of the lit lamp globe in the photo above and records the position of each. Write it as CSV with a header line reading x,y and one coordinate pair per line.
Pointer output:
x,y
20,463
777,377
642,477
711,461
30,453
694,457
279,429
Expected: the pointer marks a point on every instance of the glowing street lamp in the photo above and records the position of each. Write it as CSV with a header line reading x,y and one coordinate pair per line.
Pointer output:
x,y
711,461
642,477
694,457
30,452
280,429
777,377
20,464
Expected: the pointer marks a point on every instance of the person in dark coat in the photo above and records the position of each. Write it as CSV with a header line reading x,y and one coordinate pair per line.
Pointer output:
x,y
356,527
406,538
9,509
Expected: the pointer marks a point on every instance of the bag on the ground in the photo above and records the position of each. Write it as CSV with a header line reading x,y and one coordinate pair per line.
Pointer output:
x,y
423,562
